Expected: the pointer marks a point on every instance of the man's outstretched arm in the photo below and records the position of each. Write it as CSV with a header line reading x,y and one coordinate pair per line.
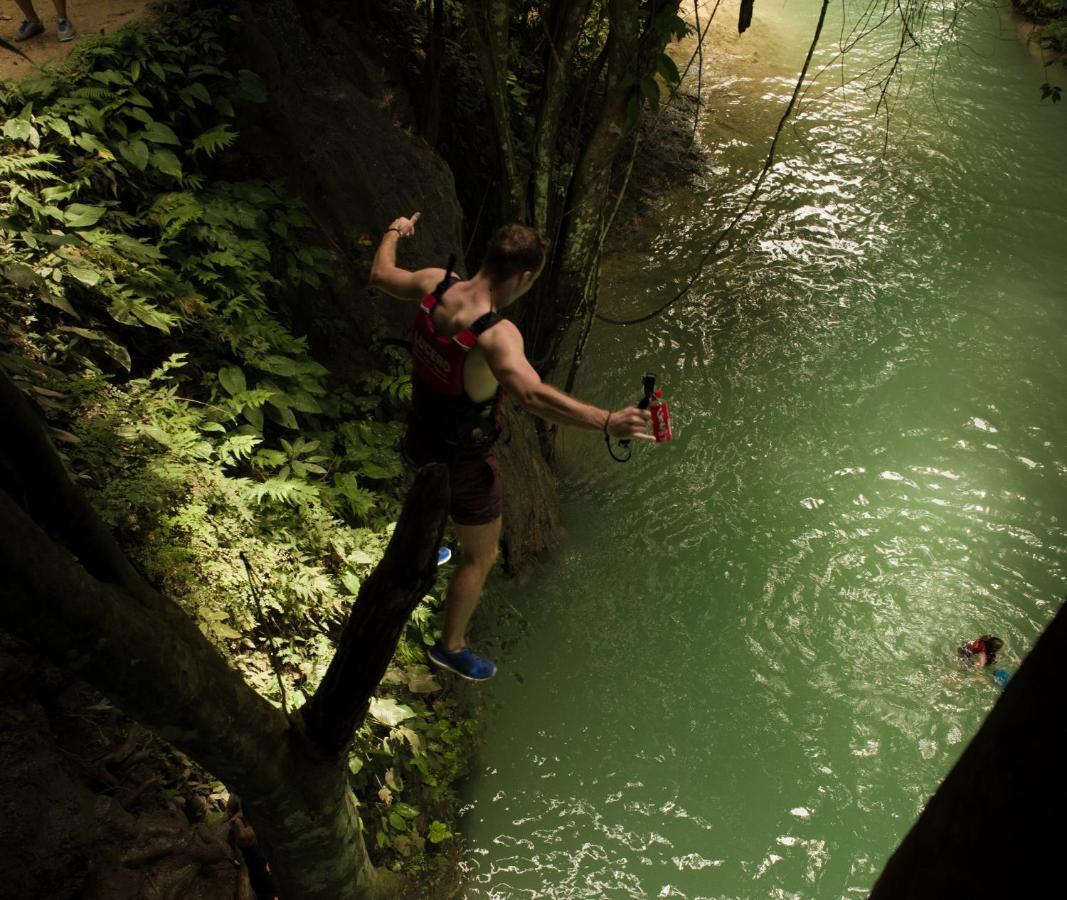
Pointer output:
x,y
387,276
506,356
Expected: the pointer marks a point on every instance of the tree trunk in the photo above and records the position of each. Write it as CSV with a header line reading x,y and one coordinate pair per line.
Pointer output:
x,y
155,665
630,53
430,103
557,58
490,21
146,654
589,197
995,826
384,605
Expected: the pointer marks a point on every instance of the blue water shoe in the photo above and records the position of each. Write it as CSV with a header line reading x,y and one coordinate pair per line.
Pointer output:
x,y
465,663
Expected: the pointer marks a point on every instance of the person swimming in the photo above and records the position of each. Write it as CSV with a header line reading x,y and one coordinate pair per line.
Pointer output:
x,y
981,651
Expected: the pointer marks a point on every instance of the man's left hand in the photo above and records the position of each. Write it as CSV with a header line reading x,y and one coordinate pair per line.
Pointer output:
x,y
631,422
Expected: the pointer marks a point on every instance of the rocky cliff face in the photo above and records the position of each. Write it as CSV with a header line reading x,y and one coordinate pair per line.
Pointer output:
x,y
340,133
339,128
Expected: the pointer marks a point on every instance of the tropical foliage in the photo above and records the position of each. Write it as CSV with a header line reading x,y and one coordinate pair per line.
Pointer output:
x,y
144,295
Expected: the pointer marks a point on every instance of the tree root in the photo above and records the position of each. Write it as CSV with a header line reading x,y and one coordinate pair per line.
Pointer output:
x,y
201,845
138,792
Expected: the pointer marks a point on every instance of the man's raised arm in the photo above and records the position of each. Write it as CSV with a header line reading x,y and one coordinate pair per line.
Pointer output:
x,y
387,276
506,356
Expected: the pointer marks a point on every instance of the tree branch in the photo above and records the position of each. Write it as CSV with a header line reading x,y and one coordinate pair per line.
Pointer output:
x,y
153,662
771,153
385,602
490,21
41,483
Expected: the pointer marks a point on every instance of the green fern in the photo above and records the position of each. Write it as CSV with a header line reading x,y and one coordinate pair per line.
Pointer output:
x,y
173,211
216,139
29,166
283,490
237,448
117,267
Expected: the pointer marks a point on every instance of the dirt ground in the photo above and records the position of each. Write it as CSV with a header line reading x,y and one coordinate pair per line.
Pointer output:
x,y
90,18
92,806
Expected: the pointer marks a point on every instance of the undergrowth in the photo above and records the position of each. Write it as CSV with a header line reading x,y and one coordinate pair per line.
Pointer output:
x,y
142,291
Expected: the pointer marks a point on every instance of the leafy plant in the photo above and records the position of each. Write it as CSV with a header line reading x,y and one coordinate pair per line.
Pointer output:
x,y
143,293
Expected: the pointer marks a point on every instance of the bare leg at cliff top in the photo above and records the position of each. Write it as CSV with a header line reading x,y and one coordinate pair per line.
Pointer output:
x,y
480,545
31,14
33,26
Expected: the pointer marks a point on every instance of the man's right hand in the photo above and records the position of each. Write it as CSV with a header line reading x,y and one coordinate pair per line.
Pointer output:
x,y
405,227
631,422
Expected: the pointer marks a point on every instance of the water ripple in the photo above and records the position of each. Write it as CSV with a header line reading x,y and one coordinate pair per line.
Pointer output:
x,y
739,677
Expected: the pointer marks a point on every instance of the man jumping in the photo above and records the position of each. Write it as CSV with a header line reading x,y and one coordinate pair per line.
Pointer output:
x,y
465,356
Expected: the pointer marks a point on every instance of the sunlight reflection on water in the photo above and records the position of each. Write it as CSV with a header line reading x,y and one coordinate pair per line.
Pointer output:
x,y
738,678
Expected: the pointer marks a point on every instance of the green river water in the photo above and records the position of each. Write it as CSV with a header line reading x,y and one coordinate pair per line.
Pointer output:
x,y
738,677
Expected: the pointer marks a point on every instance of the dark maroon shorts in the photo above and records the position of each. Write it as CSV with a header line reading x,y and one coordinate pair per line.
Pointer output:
x,y
474,478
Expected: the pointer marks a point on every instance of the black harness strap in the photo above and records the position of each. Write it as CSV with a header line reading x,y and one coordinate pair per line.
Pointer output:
x,y
479,325
483,323
447,280
437,292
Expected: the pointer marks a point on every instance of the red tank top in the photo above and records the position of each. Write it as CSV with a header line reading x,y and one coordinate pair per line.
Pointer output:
x,y
440,403
438,360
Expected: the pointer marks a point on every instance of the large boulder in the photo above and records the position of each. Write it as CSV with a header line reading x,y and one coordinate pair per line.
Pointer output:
x,y
340,134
